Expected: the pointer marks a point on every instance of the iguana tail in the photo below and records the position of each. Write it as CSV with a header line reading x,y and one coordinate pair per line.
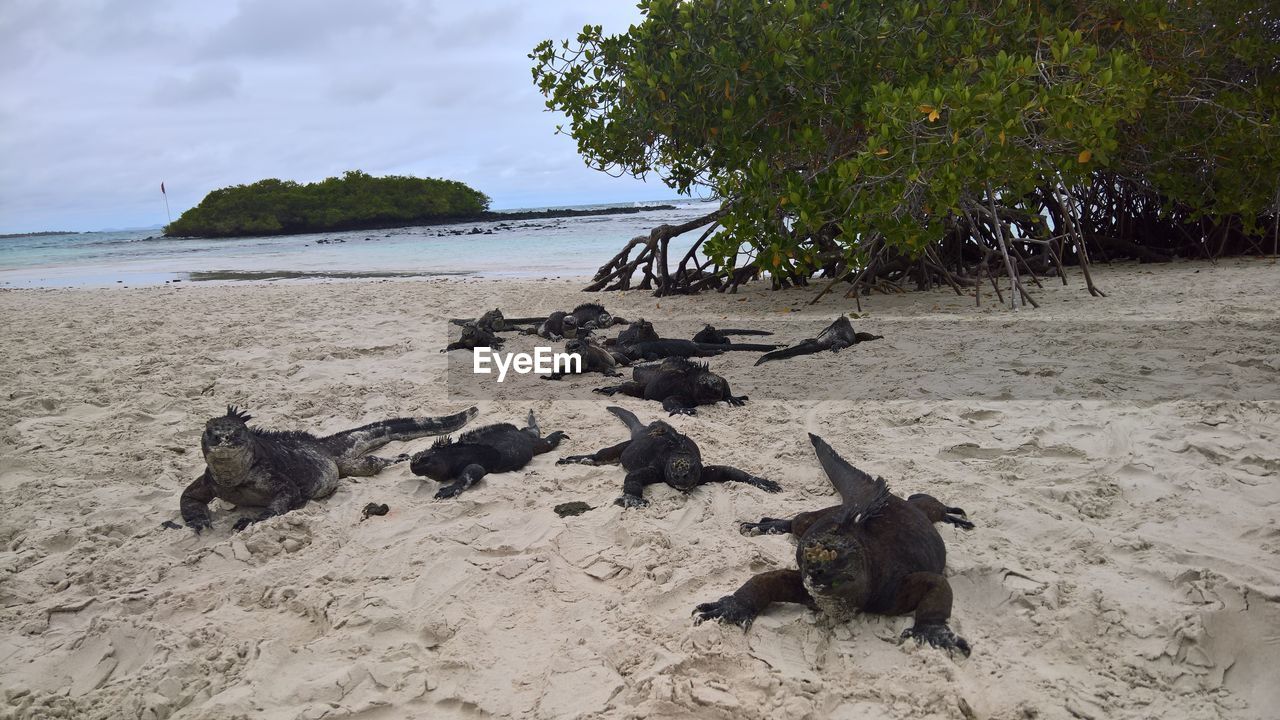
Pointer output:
x,y
748,347
628,418
808,347
367,438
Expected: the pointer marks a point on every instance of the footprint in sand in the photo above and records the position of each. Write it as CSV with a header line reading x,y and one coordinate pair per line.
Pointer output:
x,y
1236,646
981,415
971,451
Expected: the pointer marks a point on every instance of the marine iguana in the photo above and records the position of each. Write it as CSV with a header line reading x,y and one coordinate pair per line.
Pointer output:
x,y
281,471
474,336
560,324
709,334
639,331
594,315
836,336
594,359
673,348
874,552
490,449
492,321
658,453
640,341
678,383
557,326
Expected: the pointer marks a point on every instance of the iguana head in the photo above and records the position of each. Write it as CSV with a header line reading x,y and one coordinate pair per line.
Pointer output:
x,y
442,460
831,562
226,435
709,388
569,326
495,319
431,463
640,331
683,470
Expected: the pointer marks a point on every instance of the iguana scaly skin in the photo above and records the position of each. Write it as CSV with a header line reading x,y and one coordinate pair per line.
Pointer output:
x,y
281,471
872,553
658,453
678,383
491,449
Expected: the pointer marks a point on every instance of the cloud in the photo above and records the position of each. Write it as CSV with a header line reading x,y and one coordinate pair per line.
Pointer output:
x,y
303,28
103,99
206,84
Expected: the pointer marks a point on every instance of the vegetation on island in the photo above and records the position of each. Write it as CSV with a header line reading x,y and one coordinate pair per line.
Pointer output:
x,y
354,201
931,141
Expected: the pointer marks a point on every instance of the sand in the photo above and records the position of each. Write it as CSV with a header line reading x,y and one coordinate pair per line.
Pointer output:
x,y
1119,456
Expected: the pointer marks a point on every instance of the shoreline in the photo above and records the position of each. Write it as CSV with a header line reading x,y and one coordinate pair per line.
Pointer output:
x,y
1124,564
302,278
553,247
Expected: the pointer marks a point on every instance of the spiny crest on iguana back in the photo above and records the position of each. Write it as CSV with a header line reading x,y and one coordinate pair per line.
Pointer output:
x,y
685,365
470,436
235,413
861,495
856,516
590,306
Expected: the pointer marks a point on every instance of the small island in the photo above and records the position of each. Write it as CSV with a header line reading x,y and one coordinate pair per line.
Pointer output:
x,y
355,201
42,233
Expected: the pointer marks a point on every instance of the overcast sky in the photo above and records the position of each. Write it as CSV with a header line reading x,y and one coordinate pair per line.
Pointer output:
x,y
101,100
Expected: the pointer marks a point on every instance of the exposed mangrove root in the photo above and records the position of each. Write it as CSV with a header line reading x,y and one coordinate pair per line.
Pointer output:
x,y
1025,240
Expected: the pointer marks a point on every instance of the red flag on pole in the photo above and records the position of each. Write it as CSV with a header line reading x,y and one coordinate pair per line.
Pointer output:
x,y
162,188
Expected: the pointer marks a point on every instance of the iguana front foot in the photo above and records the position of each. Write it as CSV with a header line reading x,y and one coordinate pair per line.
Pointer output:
x,y
957,517
201,524
681,411
630,501
764,484
938,635
727,609
450,491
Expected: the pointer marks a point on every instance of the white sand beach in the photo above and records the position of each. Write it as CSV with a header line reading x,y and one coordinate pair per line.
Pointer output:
x,y
1120,457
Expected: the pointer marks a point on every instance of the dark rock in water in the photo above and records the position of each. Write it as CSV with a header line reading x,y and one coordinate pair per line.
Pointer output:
x,y
576,507
375,509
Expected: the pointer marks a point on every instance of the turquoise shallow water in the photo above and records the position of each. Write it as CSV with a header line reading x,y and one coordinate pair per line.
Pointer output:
x,y
519,248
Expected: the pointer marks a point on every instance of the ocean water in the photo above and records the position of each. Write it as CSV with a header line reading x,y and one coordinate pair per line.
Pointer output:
x,y
506,248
